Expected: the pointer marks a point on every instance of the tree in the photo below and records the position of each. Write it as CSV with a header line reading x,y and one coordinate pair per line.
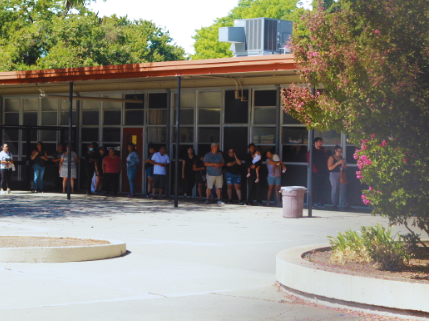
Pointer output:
x,y
207,45
372,59
61,34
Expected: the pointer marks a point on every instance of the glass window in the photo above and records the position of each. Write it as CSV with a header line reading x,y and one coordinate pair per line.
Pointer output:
x,y
90,135
11,118
48,135
135,105
11,105
209,99
112,117
295,135
30,119
158,100
265,116
64,118
236,111
265,98
208,134
289,120
203,149
186,116
65,105
111,134
157,134
186,134
236,137
134,117
33,134
329,138
112,104
264,135
209,116
49,104
90,117
350,150
296,153
183,151
187,99
158,117
10,134
90,104
31,104
49,118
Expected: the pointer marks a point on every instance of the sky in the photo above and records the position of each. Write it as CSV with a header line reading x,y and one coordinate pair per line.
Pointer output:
x,y
180,18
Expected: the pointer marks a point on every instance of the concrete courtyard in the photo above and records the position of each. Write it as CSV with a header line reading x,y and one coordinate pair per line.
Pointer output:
x,y
195,262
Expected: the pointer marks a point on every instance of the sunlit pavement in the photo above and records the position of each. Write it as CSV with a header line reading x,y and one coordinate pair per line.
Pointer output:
x,y
195,262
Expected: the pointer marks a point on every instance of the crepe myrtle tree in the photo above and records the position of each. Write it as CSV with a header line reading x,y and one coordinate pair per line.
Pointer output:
x,y
371,57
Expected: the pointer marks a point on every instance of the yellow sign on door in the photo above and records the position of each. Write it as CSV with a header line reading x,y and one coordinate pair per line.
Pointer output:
x,y
134,139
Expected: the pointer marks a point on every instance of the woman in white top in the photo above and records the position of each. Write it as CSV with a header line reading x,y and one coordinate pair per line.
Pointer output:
x,y
6,159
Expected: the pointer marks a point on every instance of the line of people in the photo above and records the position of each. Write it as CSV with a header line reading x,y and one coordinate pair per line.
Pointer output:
x,y
207,172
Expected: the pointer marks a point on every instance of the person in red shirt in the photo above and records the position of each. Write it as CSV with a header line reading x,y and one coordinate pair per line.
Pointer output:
x,y
111,169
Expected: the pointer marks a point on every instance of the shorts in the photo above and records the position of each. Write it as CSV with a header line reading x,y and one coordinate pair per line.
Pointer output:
x,y
274,180
201,178
214,180
159,181
233,179
149,172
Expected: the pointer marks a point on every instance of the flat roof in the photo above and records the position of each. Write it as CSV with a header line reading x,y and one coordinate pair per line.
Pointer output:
x,y
163,74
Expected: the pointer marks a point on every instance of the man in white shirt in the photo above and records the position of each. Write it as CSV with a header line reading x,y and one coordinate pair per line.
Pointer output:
x,y
160,160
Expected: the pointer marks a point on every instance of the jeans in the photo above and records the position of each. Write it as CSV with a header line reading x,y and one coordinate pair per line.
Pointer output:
x,y
39,171
5,178
334,178
131,173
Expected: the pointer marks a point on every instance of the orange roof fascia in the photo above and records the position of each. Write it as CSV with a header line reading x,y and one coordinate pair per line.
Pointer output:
x,y
154,69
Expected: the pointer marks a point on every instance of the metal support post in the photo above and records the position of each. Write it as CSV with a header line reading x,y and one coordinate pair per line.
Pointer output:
x,y
69,158
176,165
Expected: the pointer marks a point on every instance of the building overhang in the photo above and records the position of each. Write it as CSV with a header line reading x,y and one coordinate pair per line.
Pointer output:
x,y
259,70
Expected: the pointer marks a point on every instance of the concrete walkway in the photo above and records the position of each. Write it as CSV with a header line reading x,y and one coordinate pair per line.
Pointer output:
x,y
196,262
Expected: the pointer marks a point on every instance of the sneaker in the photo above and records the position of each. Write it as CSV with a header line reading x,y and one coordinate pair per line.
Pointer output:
x,y
130,195
207,202
8,191
240,202
2,192
259,204
228,202
220,203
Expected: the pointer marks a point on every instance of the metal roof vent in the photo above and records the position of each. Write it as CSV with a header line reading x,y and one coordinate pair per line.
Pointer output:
x,y
258,36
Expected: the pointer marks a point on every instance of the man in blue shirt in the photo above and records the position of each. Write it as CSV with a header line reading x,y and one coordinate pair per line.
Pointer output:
x,y
214,162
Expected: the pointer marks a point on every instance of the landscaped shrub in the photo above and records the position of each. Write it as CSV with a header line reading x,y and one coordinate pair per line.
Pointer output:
x,y
375,244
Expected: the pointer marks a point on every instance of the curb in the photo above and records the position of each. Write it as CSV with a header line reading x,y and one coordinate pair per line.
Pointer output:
x,y
62,253
293,272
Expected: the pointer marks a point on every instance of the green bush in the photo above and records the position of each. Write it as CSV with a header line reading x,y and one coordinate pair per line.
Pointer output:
x,y
375,244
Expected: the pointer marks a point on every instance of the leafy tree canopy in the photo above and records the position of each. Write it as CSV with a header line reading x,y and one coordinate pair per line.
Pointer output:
x,y
372,59
207,45
43,34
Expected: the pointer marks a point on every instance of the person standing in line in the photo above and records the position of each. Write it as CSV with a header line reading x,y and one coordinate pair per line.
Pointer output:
x,y
39,158
188,174
99,171
337,164
274,178
320,172
214,162
161,161
254,186
64,168
148,167
233,175
200,175
6,164
133,162
91,158
111,168
56,158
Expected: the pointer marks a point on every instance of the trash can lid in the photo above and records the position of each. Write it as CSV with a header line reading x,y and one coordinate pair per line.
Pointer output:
x,y
293,188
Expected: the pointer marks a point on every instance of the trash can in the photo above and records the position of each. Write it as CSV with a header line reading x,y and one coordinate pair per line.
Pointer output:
x,y
293,201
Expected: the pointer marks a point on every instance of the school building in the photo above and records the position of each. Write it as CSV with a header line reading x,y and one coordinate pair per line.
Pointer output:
x,y
233,101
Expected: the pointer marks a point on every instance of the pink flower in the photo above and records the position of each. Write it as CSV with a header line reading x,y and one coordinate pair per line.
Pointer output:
x,y
370,188
355,156
405,160
376,31
372,136
378,192
366,201
363,196
383,143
